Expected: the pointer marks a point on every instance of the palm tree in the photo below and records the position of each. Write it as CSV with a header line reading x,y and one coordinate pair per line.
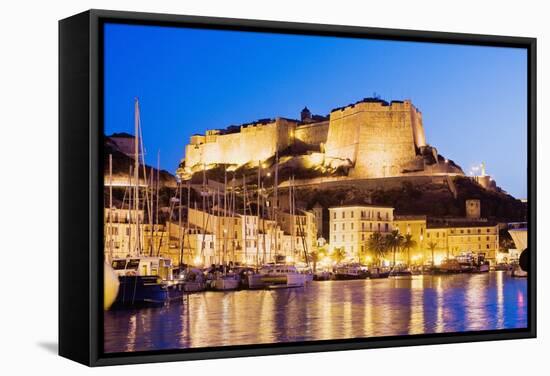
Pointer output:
x,y
338,255
314,257
408,243
377,245
432,246
394,240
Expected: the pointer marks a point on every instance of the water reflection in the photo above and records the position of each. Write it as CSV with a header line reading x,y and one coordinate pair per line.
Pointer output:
x,y
324,310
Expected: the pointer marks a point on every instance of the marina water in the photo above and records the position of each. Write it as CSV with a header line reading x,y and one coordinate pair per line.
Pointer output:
x,y
324,310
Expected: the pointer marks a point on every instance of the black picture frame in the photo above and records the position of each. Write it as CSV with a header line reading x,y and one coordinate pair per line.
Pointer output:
x,y
81,183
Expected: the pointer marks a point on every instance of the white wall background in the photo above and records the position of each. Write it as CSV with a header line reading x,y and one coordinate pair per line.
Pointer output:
x,y
28,186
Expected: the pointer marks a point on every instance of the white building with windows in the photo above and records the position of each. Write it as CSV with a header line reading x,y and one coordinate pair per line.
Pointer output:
x,y
351,226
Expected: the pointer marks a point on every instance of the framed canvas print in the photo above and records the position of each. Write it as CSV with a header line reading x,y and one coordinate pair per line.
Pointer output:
x,y
237,187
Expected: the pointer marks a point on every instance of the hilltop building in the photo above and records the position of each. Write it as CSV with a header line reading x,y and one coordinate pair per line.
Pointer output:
x,y
370,138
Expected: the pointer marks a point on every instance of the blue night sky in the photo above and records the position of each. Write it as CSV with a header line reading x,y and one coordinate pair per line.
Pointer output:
x,y
473,99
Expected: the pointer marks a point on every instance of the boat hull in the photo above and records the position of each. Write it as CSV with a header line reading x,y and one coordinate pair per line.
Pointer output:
x,y
225,284
141,290
347,277
284,280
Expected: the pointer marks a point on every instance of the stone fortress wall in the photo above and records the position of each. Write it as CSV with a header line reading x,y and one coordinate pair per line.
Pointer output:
x,y
379,139
253,142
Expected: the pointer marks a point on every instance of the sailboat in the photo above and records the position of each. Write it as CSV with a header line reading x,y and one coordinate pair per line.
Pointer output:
x,y
225,279
281,274
143,279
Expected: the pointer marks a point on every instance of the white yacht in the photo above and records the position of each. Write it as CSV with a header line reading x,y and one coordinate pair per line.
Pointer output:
x,y
282,275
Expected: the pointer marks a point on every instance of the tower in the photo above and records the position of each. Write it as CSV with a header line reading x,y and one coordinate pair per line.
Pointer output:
x,y
305,115
318,212
473,209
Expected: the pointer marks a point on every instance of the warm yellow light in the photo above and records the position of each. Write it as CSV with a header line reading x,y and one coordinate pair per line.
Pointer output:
x,y
368,259
289,259
438,260
197,260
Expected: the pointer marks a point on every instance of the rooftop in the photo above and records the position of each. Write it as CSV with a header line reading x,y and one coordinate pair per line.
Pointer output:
x,y
360,207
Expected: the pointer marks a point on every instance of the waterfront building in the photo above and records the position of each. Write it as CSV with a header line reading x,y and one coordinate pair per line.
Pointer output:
x,y
121,237
414,225
351,226
454,239
298,229
243,239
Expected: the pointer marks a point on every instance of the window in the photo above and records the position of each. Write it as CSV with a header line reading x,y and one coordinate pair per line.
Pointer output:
x,y
363,237
334,215
335,238
371,226
343,238
487,238
379,227
352,225
335,227
352,214
351,237
343,226
343,214
487,246
387,227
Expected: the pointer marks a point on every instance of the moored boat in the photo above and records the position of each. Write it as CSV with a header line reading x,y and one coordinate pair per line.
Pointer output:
x,y
377,272
400,272
225,282
350,271
281,275
193,280
145,280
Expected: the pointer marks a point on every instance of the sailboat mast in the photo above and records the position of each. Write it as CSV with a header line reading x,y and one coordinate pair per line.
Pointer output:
x,y
136,173
224,216
130,211
245,222
151,223
180,242
276,199
187,219
110,206
292,215
258,216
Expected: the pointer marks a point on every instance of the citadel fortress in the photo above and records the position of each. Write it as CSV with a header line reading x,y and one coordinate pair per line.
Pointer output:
x,y
368,139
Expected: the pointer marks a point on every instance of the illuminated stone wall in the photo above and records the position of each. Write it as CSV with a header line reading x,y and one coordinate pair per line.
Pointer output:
x,y
254,142
379,139
313,134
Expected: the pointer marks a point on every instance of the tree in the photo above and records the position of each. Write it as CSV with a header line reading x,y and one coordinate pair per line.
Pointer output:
x,y
314,258
338,255
408,243
377,245
394,241
432,245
